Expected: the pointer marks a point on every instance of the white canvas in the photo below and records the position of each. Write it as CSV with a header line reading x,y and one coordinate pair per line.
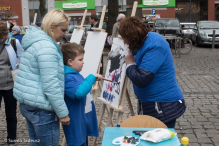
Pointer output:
x,y
77,36
93,51
115,71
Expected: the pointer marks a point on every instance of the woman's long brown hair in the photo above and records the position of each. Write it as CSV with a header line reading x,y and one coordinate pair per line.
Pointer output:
x,y
133,32
3,30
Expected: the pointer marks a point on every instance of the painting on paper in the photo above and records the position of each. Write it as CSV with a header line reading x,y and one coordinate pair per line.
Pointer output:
x,y
115,72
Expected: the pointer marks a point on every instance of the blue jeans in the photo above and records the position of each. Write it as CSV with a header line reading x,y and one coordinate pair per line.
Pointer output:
x,y
43,126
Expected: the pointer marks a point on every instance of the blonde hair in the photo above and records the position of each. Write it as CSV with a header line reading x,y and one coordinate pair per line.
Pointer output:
x,y
55,17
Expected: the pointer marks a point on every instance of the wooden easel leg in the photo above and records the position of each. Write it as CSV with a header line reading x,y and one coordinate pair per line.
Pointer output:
x,y
108,112
129,103
100,86
63,141
119,118
94,95
110,117
99,122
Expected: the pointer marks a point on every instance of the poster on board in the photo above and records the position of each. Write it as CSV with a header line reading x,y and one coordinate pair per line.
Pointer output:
x,y
115,72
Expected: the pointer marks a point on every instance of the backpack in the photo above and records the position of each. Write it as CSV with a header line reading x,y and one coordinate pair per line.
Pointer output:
x,y
13,44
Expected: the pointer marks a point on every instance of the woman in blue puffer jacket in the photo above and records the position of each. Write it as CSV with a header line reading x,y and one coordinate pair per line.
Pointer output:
x,y
152,73
39,85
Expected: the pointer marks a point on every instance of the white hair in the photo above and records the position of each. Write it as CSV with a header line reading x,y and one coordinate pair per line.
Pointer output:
x,y
120,16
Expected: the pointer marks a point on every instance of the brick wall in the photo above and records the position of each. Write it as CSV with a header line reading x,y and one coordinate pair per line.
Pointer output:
x,y
15,7
211,9
169,13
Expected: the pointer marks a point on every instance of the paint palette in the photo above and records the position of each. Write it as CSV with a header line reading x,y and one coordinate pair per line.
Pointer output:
x,y
126,141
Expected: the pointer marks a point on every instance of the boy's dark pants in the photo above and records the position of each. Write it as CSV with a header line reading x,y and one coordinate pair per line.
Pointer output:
x,y
10,111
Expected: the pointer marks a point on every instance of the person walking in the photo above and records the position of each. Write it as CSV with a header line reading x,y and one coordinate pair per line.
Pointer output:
x,y
9,58
119,19
39,85
16,30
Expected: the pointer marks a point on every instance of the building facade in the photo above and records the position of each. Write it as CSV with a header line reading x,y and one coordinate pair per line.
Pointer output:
x,y
75,9
11,11
22,11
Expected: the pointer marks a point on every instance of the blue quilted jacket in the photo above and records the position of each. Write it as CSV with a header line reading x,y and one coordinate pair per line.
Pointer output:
x,y
40,78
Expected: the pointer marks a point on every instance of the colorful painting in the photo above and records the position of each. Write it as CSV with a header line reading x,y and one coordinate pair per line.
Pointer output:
x,y
115,72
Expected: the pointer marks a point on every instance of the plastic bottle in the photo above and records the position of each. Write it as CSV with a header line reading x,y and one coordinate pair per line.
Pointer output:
x,y
184,141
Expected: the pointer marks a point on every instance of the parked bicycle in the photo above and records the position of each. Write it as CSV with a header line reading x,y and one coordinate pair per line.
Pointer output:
x,y
178,43
183,47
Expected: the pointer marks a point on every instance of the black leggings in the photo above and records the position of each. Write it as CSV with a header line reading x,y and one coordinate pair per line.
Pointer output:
x,y
10,111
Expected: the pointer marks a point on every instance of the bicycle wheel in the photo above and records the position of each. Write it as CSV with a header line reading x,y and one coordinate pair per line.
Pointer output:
x,y
186,46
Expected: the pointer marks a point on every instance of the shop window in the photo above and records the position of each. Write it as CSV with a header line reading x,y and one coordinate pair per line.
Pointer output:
x,y
183,11
217,12
34,8
76,20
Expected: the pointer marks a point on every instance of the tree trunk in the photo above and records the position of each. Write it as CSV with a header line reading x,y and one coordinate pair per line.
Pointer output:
x,y
113,10
42,8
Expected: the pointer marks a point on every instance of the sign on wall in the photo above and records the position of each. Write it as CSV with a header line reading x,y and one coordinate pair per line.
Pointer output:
x,y
157,3
75,4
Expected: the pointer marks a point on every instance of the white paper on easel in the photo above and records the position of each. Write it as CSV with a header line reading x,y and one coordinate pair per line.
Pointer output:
x,y
93,52
115,71
77,36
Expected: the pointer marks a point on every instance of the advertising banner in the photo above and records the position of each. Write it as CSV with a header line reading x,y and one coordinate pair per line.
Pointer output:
x,y
75,5
157,3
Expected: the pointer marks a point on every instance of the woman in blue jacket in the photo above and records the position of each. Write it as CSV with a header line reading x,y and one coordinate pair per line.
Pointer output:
x,y
39,85
152,73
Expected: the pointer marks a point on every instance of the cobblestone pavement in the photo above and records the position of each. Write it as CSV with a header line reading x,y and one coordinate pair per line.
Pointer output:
x,y
198,76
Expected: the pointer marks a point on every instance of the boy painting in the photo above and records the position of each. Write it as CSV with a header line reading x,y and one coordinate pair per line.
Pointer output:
x,y
78,98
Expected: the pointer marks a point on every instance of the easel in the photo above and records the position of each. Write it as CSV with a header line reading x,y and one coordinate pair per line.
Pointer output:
x,y
97,83
34,20
78,34
82,22
124,94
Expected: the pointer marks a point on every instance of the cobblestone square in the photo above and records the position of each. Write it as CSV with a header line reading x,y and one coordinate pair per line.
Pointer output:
x,y
198,76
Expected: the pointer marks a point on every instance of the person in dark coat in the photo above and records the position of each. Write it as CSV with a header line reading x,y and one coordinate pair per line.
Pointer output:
x,y
145,22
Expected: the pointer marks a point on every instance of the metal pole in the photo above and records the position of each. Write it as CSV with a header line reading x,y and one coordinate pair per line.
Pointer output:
x,y
190,12
213,39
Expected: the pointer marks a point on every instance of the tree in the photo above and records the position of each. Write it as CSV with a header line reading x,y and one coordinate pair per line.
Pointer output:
x,y
183,8
42,8
113,10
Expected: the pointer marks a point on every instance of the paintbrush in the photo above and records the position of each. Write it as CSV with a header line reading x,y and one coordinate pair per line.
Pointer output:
x,y
109,80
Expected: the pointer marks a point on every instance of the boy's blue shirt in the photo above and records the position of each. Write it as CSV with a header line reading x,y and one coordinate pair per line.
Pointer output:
x,y
82,111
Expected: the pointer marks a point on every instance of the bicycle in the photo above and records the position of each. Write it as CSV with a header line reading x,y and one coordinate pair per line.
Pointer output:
x,y
180,44
183,47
